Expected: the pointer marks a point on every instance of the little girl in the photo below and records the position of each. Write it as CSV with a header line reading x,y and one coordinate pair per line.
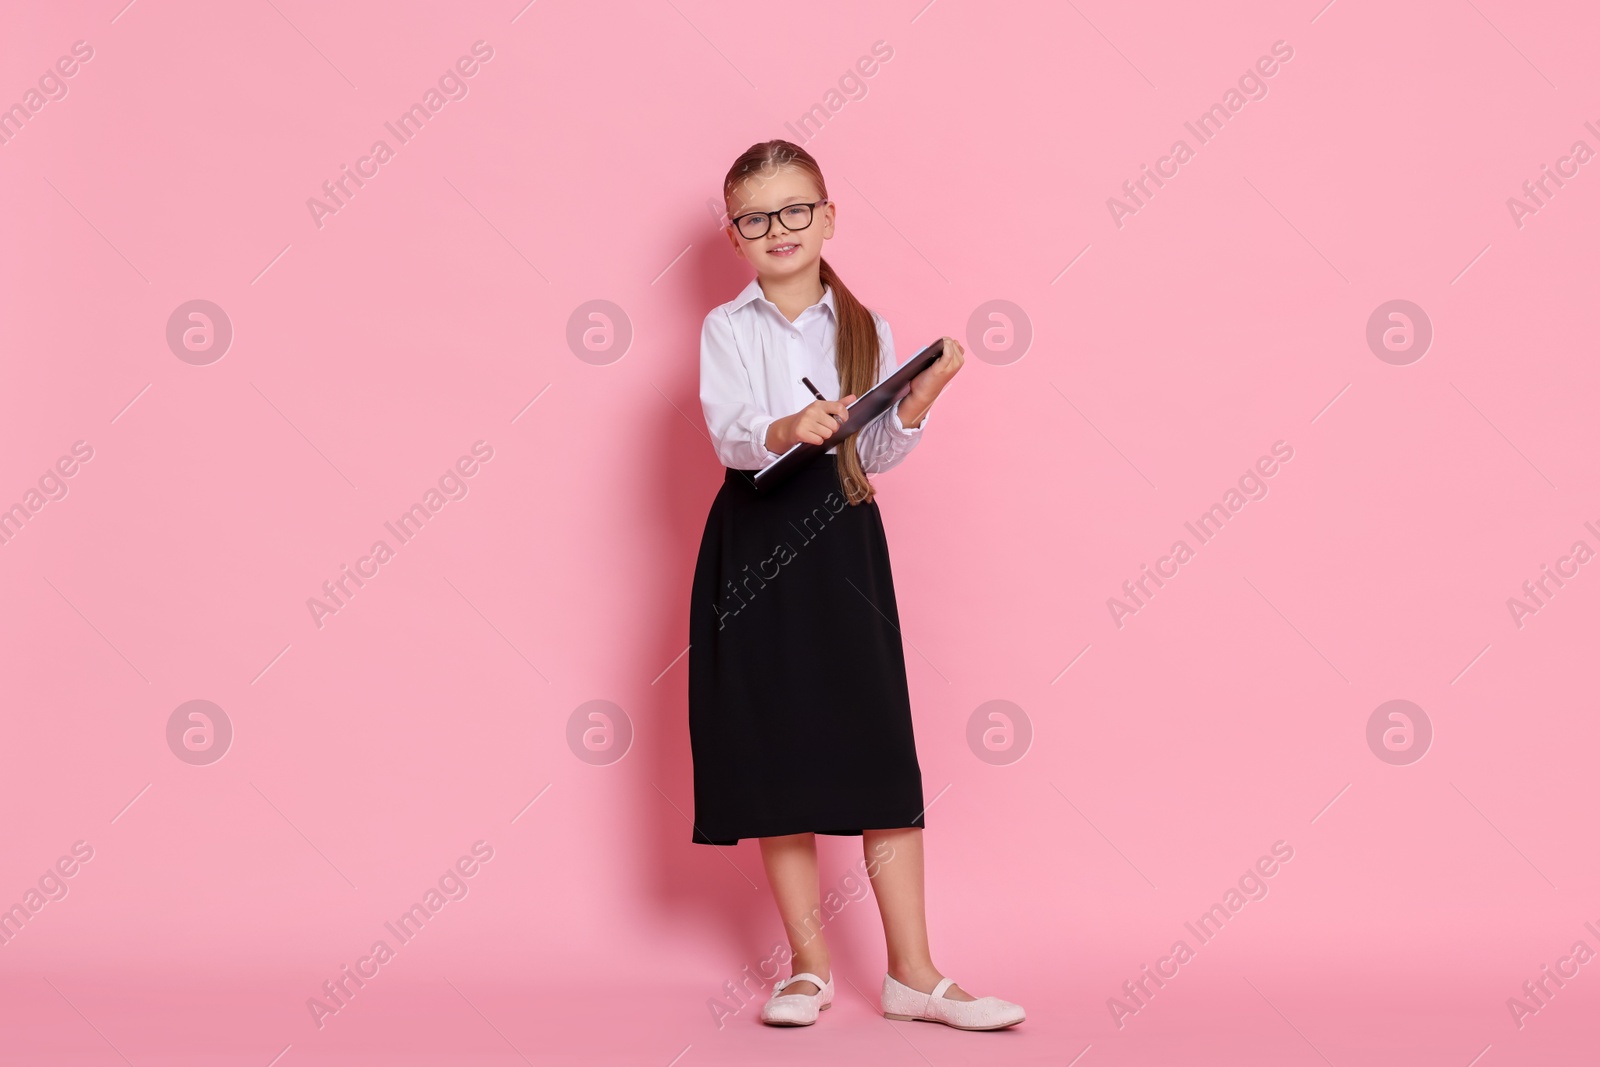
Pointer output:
x,y
799,714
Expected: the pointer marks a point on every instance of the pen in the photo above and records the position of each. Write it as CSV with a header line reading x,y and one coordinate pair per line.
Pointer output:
x,y
816,393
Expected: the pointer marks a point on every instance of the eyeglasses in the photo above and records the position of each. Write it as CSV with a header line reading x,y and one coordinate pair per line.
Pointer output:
x,y
759,223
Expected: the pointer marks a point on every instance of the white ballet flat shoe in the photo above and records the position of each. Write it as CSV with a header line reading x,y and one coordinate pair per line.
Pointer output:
x,y
797,1009
986,1013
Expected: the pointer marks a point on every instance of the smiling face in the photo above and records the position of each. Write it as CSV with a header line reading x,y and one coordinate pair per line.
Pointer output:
x,y
782,253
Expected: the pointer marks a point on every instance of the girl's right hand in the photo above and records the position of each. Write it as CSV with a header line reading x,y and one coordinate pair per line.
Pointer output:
x,y
812,424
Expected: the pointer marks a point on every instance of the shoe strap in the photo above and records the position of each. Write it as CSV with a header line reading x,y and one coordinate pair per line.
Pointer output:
x,y
803,976
938,990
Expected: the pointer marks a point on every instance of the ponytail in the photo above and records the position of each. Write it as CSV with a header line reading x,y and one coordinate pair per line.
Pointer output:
x,y
857,362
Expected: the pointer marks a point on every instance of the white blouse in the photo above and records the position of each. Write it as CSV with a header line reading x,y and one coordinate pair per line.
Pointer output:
x,y
751,363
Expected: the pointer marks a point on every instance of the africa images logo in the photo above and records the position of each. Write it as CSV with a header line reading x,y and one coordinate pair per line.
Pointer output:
x,y
1252,85
452,85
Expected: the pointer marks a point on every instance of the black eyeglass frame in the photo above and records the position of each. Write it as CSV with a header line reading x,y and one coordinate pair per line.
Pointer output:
x,y
734,222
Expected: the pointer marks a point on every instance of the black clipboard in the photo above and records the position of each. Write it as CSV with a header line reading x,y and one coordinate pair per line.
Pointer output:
x,y
866,409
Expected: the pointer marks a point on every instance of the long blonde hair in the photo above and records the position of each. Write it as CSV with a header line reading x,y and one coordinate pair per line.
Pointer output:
x,y
858,353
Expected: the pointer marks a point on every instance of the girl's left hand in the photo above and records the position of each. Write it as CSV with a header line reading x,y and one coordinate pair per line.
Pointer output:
x,y
931,382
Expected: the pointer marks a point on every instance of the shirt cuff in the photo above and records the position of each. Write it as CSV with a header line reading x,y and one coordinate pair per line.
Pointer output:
x,y
760,426
901,428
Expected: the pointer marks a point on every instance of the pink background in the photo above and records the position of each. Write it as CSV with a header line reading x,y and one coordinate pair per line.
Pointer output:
x,y
1228,313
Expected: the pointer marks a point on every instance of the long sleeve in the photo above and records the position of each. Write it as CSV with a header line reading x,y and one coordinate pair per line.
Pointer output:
x,y
887,441
737,425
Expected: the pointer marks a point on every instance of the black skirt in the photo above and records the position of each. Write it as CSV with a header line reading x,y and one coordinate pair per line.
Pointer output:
x,y
799,715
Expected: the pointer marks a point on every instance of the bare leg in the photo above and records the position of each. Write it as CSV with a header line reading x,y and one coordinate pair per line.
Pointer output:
x,y
791,863
897,883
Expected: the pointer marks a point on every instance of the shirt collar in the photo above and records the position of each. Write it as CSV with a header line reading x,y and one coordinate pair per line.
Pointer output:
x,y
752,292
